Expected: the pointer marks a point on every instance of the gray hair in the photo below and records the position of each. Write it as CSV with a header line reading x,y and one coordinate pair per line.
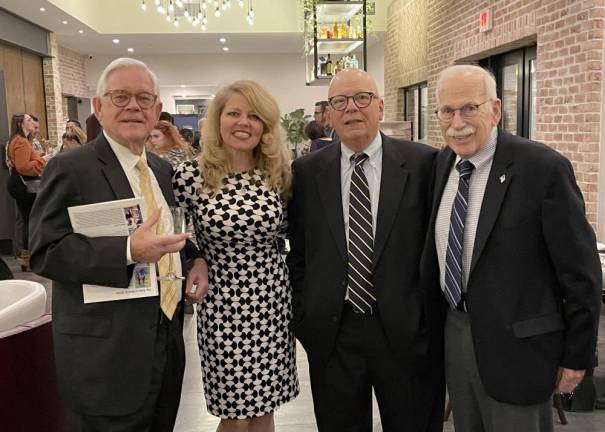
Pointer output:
x,y
489,81
125,62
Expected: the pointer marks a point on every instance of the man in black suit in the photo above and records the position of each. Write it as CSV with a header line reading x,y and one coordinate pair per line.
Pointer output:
x,y
120,363
517,260
358,218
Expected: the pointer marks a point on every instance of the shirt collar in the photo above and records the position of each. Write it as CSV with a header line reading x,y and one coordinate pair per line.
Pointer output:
x,y
372,151
127,159
486,154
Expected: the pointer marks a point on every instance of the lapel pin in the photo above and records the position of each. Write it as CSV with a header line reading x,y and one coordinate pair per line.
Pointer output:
x,y
502,178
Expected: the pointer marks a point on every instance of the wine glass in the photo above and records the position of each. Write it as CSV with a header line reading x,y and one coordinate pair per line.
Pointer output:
x,y
179,225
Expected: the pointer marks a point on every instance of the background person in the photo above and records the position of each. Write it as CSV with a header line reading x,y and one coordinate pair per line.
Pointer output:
x,y
26,165
234,193
165,141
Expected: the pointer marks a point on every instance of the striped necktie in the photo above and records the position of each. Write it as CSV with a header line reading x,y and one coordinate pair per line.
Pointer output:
x,y
455,241
361,239
169,297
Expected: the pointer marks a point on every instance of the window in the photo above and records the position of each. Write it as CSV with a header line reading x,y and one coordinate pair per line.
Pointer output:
x,y
415,109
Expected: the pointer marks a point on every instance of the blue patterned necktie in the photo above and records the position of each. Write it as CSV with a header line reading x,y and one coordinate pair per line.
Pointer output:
x,y
455,241
361,239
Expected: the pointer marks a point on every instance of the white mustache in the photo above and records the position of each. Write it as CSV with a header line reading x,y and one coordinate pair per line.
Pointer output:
x,y
468,130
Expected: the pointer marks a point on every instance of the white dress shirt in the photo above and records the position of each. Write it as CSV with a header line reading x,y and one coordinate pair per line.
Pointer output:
x,y
483,165
128,161
373,171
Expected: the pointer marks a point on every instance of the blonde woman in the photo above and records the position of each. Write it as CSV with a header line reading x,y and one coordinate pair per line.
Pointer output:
x,y
235,194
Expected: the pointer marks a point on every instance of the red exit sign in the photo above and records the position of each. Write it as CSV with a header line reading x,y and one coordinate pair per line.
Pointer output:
x,y
485,20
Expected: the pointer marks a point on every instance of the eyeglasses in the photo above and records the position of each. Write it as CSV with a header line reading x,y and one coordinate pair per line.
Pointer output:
x,y
468,111
361,100
121,98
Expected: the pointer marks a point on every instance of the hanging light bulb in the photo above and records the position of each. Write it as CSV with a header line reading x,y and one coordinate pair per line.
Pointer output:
x,y
195,22
228,3
224,5
204,19
176,22
161,10
143,6
217,12
170,7
168,18
240,3
157,2
204,4
186,13
179,4
203,27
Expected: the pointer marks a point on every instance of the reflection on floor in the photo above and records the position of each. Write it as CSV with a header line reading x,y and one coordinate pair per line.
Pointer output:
x,y
297,416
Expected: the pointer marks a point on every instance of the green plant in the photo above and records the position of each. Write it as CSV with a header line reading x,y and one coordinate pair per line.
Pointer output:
x,y
294,124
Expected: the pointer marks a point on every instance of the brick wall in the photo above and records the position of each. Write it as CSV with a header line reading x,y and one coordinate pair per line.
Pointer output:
x,y
569,37
64,75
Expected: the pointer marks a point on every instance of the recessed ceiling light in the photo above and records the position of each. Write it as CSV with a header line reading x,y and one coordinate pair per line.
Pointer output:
x,y
222,40
130,49
81,31
116,41
42,9
225,48
64,22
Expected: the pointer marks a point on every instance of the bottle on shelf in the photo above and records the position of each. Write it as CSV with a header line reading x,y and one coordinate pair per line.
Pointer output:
x,y
354,63
335,31
344,31
329,67
322,66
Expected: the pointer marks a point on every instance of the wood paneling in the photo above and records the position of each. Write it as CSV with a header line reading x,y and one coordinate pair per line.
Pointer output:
x,y
24,81
13,78
34,88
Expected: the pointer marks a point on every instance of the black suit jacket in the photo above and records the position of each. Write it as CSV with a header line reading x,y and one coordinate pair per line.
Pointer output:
x,y
535,276
104,351
318,257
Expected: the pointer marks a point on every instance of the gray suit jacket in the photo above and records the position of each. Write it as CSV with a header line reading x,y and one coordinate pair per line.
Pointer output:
x,y
104,351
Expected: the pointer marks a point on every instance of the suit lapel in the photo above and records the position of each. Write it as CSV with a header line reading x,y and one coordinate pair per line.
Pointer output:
x,y
445,159
392,185
329,187
112,169
164,181
499,178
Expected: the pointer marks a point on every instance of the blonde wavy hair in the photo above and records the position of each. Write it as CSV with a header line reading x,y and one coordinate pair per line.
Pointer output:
x,y
270,155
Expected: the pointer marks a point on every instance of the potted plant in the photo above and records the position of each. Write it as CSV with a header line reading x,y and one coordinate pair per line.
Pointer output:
x,y
294,124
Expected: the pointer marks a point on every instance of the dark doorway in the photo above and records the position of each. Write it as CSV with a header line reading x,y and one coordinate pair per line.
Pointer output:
x,y
516,85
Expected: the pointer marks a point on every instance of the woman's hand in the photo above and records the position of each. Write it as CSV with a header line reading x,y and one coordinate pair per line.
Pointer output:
x,y
196,285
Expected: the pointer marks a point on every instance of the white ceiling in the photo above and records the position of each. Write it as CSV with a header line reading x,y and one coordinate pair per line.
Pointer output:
x,y
196,42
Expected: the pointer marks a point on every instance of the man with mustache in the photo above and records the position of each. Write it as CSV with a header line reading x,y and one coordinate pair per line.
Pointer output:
x,y
517,264
119,363
358,219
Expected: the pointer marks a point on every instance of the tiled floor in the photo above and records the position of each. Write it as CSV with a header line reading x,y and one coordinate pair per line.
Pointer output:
x,y
297,416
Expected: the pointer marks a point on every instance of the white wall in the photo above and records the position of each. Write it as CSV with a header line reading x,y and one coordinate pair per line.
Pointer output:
x,y
282,74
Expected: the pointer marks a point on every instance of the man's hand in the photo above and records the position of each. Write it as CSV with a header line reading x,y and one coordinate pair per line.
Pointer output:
x,y
568,380
146,246
196,285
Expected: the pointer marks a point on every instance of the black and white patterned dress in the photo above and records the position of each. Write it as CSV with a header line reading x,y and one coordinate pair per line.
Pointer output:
x,y
247,351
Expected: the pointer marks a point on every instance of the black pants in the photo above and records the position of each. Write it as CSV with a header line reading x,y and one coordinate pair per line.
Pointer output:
x,y
24,200
362,360
159,410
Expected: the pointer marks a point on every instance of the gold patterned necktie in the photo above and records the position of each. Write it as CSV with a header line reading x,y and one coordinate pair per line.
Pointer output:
x,y
168,288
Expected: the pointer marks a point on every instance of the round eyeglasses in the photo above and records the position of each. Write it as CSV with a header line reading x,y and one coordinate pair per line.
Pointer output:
x,y
121,98
468,111
361,100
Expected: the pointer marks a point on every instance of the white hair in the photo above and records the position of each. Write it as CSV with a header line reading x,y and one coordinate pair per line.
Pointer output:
x,y
489,81
125,62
